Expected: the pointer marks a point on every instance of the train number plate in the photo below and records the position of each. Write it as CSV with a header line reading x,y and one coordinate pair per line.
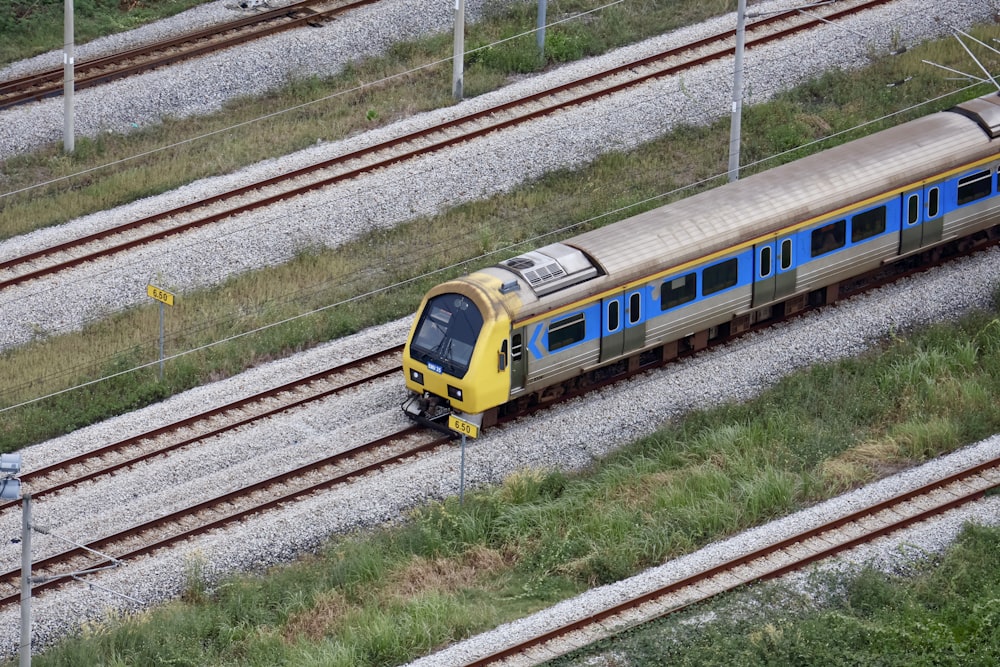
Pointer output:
x,y
463,427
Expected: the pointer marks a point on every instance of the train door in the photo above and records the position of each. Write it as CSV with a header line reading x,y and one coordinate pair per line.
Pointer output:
x,y
635,323
763,281
922,222
518,360
774,264
612,327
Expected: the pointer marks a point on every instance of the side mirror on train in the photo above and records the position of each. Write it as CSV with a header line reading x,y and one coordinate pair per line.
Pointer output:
x,y
502,361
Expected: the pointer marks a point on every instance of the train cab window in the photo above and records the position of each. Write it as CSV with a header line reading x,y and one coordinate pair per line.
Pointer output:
x,y
933,202
634,307
679,290
868,224
912,209
785,254
719,276
974,186
765,261
828,238
516,347
567,331
447,333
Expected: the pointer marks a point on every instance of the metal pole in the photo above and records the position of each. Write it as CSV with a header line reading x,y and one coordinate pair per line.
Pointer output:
x,y
734,124
26,581
542,4
162,307
459,57
461,476
69,141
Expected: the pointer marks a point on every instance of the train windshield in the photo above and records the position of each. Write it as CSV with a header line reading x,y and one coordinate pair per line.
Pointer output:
x,y
447,333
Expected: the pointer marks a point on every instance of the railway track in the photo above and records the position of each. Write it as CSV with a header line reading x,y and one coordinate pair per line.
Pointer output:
x,y
793,553
223,509
97,71
115,240
117,456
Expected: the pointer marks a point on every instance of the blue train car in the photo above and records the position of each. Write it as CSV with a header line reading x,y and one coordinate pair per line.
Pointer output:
x,y
712,264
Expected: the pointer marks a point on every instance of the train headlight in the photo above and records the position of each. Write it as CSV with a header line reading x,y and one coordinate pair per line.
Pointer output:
x,y
454,392
416,376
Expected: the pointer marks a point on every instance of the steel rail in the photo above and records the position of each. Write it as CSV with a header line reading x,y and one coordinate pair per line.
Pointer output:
x,y
33,479
100,70
771,561
117,545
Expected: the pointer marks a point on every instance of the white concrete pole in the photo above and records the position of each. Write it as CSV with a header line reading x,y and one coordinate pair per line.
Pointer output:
x,y
69,141
25,660
459,58
734,124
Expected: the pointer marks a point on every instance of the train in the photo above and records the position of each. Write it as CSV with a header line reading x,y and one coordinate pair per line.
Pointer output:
x,y
670,280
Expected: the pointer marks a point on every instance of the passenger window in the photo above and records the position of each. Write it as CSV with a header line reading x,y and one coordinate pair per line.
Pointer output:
x,y
828,238
677,291
933,202
567,331
974,186
516,347
912,209
785,254
614,315
719,276
765,261
868,224
634,307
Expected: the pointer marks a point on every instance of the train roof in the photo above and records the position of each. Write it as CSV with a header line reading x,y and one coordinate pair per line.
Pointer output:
x,y
766,202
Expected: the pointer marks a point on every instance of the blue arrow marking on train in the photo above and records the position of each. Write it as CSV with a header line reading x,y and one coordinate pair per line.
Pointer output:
x,y
533,345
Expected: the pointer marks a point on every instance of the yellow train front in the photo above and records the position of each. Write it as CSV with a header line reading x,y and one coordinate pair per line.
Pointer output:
x,y
467,354
457,357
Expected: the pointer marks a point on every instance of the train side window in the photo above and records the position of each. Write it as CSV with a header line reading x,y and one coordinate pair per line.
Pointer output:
x,y
614,315
912,209
765,261
719,276
634,307
828,238
677,291
974,186
516,347
868,224
785,254
567,331
933,202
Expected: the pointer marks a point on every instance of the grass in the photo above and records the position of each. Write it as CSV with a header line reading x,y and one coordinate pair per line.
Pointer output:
x,y
33,27
941,610
452,570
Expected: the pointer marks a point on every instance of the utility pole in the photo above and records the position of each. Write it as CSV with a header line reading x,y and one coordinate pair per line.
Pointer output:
x,y
69,141
542,5
25,655
459,56
737,114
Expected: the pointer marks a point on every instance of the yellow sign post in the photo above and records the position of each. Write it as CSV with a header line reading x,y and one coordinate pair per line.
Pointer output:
x,y
463,427
466,429
161,295
166,299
